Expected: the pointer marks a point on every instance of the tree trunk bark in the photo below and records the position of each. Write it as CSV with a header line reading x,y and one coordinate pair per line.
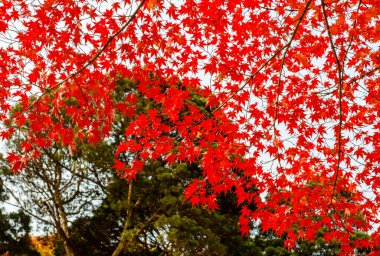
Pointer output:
x,y
123,242
68,250
64,227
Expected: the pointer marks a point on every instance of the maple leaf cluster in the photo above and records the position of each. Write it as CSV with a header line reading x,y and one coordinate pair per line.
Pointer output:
x,y
291,86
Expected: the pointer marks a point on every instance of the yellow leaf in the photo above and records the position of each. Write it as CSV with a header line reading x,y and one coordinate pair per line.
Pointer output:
x,y
151,4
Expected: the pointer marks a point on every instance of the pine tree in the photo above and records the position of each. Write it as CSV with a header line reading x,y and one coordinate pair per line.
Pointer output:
x,y
160,223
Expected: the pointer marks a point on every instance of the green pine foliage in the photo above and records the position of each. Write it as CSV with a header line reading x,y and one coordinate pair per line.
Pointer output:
x,y
161,222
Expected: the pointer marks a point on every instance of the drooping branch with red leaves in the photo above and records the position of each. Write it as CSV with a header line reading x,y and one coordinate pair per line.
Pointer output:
x,y
291,86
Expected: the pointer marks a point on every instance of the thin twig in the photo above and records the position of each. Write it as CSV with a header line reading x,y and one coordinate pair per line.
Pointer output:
x,y
340,74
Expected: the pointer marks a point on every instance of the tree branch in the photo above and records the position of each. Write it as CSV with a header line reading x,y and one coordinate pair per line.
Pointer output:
x,y
340,95
287,46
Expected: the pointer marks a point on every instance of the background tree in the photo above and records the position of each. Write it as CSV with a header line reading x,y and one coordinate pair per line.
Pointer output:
x,y
14,230
159,222
60,184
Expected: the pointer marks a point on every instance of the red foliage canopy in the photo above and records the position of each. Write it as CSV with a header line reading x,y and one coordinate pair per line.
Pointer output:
x,y
293,85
